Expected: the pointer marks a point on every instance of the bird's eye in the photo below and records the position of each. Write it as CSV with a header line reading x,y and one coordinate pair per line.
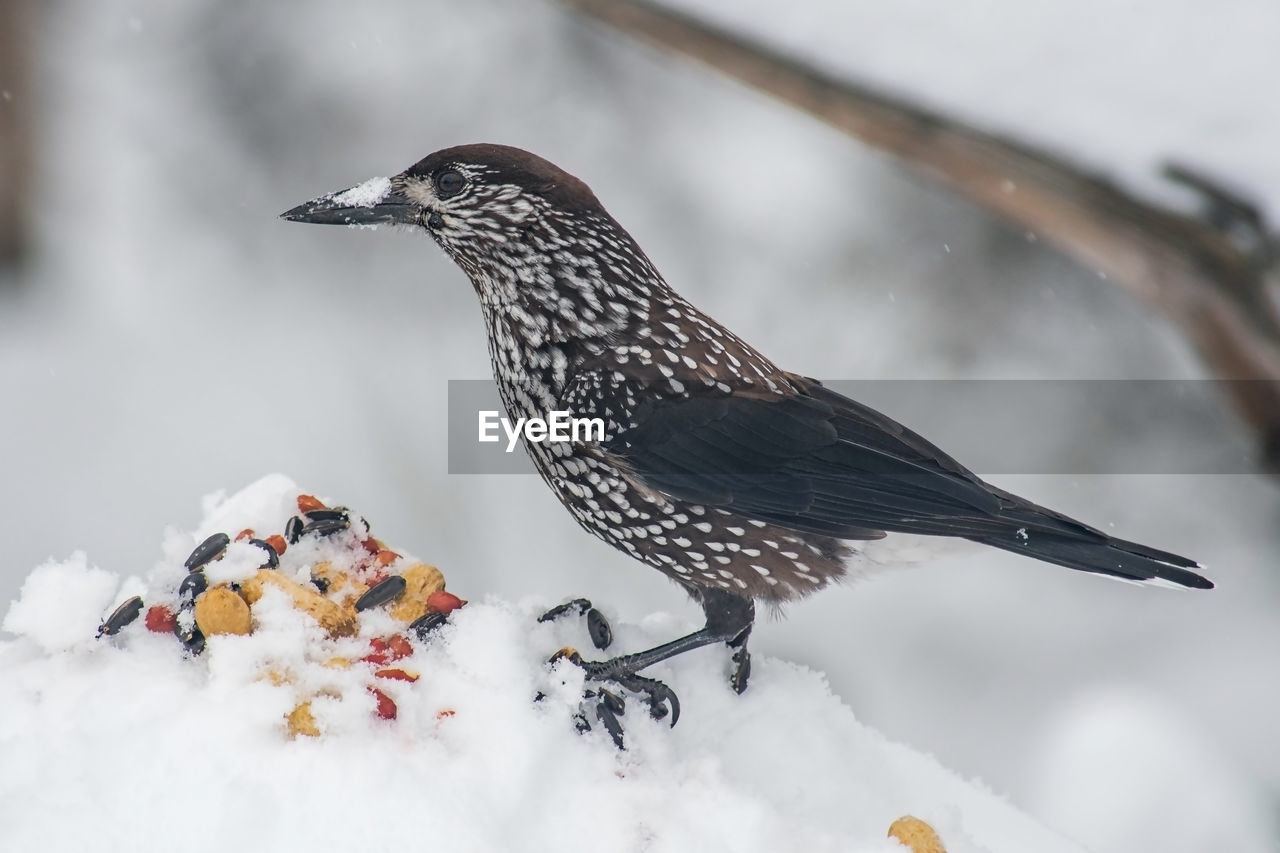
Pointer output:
x,y
449,183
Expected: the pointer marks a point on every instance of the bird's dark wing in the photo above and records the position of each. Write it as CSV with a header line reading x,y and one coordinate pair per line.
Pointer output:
x,y
814,461
820,462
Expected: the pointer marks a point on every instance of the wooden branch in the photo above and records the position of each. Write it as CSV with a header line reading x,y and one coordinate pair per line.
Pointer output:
x,y
17,30
1197,275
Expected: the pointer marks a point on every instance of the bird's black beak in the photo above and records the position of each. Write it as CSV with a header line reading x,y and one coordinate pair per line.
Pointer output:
x,y
372,203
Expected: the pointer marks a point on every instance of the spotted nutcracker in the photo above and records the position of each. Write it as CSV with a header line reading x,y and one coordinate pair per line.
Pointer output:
x,y
738,480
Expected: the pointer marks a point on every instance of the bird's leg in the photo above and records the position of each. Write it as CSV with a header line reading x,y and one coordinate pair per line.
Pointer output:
x,y
729,620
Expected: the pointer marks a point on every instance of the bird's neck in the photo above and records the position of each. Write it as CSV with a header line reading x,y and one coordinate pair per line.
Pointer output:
x,y
548,303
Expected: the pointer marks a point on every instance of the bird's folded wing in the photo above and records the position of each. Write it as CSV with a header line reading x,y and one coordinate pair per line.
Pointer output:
x,y
812,460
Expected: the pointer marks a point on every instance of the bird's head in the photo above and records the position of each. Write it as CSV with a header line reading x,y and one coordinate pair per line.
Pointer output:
x,y
533,238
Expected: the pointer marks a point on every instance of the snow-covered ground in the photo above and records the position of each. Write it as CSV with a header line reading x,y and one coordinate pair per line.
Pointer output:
x,y
176,338
126,743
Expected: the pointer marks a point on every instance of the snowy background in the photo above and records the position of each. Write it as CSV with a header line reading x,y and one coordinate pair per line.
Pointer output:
x,y
172,337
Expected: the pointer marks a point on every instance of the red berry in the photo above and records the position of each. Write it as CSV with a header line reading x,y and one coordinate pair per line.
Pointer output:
x,y
160,619
444,602
386,708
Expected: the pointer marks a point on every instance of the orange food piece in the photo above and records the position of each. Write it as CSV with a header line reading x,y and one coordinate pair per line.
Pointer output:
x,y
331,616
385,651
306,503
399,646
247,533
397,674
221,611
443,602
379,653
301,722
160,619
385,557
386,708
916,835
277,543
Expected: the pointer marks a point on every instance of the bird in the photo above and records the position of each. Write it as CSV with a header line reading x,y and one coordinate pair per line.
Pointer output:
x,y
740,481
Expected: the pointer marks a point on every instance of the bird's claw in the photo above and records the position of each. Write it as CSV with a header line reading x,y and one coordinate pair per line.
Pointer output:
x,y
662,700
609,712
580,605
597,625
610,705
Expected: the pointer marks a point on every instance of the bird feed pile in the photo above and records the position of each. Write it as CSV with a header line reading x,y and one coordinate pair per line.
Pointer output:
x,y
326,608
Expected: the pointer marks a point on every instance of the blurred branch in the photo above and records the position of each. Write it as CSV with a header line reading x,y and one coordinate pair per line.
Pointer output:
x,y
17,29
1217,288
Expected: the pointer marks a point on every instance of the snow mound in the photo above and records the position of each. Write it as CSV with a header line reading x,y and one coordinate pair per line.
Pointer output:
x,y
128,742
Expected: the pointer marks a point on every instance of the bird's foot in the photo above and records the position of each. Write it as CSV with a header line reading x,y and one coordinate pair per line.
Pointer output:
x,y
597,625
608,705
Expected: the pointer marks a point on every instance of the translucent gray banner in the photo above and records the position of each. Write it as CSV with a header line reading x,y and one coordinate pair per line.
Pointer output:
x,y
1072,427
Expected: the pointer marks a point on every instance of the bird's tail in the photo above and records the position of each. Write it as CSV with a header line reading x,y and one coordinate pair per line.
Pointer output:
x,y
1090,550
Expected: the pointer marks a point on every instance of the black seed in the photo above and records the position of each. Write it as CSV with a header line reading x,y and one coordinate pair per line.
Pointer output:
x,y
207,551
326,527
335,514
121,616
321,584
380,593
293,530
598,628
424,625
192,640
273,559
192,585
